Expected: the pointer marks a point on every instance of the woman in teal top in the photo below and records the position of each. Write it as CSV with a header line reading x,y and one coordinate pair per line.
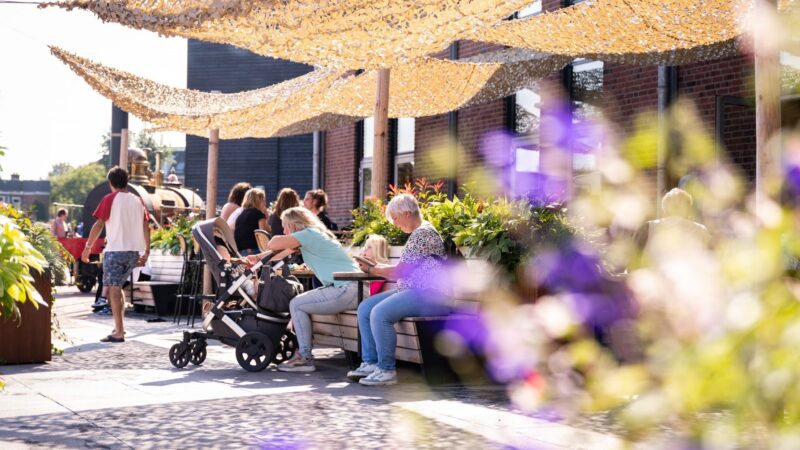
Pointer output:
x,y
324,255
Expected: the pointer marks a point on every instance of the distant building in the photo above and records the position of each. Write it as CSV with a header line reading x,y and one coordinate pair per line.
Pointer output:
x,y
26,195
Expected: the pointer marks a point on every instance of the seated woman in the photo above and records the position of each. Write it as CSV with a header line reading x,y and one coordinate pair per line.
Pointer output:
x,y
420,292
287,198
232,209
324,255
252,218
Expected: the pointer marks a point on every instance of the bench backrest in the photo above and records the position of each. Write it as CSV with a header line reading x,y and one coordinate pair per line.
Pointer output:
x,y
166,268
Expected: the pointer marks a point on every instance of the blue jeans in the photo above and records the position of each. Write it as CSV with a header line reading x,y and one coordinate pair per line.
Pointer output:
x,y
324,300
378,314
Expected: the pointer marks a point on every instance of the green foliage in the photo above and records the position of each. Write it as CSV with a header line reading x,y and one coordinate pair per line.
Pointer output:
x,y
503,232
17,259
166,237
68,185
38,234
370,218
492,234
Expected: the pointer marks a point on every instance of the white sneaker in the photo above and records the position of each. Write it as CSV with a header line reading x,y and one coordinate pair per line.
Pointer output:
x,y
380,377
363,371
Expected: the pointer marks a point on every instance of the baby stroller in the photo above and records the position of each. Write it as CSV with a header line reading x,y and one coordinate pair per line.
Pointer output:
x,y
259,335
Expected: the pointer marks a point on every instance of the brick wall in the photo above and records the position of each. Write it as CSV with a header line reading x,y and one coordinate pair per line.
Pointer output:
x,y
340,173
703,82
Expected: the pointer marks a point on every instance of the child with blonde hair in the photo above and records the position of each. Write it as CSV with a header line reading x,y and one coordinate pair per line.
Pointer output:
x,y
376,248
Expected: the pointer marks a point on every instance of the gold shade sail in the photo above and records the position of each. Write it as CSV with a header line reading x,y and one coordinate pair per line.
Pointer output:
x,y
258,113
643,32
358,34
433,86
321,99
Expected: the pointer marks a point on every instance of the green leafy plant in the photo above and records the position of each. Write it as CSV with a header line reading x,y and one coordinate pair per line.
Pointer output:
x,y
17,259
38,234
494,233
166,237
370,218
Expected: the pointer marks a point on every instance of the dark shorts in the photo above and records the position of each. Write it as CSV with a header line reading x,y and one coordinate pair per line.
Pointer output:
x,y
117,267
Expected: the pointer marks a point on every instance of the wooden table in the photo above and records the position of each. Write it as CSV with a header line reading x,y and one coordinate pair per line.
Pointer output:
x,y
358,277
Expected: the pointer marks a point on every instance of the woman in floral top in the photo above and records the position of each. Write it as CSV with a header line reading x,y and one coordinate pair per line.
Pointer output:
x,y
420,292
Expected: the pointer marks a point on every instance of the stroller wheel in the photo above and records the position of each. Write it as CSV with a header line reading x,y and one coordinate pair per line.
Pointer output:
x,y
179,355
288,346
254,351
197,352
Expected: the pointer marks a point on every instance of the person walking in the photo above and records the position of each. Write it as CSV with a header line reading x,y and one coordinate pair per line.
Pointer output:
x,y
125,220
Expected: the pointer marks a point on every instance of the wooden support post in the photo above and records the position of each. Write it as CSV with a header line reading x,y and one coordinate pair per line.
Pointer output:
x,y
380,155
768,104
123,148
211,192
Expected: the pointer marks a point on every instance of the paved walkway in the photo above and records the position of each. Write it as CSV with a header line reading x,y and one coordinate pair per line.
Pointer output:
x,y
129,396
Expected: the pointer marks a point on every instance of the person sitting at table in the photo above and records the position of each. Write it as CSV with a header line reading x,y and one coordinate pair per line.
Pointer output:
x,y
420,292
376,248
324,255
232,209
254,217
287,198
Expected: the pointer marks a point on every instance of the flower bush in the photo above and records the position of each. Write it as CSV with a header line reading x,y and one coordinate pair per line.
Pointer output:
x,y
59,260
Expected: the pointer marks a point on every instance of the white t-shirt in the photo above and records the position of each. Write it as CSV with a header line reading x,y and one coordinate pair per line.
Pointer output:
x,y
234,215
124,215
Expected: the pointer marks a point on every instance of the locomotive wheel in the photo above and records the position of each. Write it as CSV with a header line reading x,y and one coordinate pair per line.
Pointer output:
x,y
179,355
287,347
197,352
254,351
85,283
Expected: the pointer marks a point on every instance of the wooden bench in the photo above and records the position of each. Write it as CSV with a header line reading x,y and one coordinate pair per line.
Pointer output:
x,y
416,338
159,292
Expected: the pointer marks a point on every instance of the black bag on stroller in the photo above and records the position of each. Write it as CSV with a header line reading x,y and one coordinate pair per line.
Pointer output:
x,y
278,291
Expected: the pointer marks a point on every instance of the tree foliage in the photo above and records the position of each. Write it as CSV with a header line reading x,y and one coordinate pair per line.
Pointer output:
x,y
74,184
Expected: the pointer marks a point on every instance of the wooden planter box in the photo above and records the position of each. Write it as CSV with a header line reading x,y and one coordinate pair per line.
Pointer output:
x,y
29,341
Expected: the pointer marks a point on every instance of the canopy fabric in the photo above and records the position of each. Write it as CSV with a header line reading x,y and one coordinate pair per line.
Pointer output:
x,y
278,110
357,34
321,99
643,32
433,86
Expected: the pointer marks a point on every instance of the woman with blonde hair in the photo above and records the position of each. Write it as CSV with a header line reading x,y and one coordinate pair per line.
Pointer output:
x,y
287,198
252,218
324,255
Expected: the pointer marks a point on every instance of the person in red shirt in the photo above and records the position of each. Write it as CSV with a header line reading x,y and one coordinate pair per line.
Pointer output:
x,y
125,219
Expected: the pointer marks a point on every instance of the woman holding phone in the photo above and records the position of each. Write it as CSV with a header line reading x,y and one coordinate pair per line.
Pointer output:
x,y
419,292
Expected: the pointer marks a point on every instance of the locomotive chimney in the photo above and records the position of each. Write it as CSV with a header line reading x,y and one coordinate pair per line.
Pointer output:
x,y
159,177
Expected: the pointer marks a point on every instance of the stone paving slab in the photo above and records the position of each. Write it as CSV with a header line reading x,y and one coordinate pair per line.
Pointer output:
x,y
129,396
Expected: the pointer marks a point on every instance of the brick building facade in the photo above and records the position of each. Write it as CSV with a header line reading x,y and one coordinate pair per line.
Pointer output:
x,y
26,195
721,90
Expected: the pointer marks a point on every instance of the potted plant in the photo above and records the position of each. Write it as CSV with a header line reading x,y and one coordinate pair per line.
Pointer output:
x,y
26,296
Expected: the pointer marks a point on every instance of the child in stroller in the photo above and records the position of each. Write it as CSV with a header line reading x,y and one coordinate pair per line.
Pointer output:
x,y
259,335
